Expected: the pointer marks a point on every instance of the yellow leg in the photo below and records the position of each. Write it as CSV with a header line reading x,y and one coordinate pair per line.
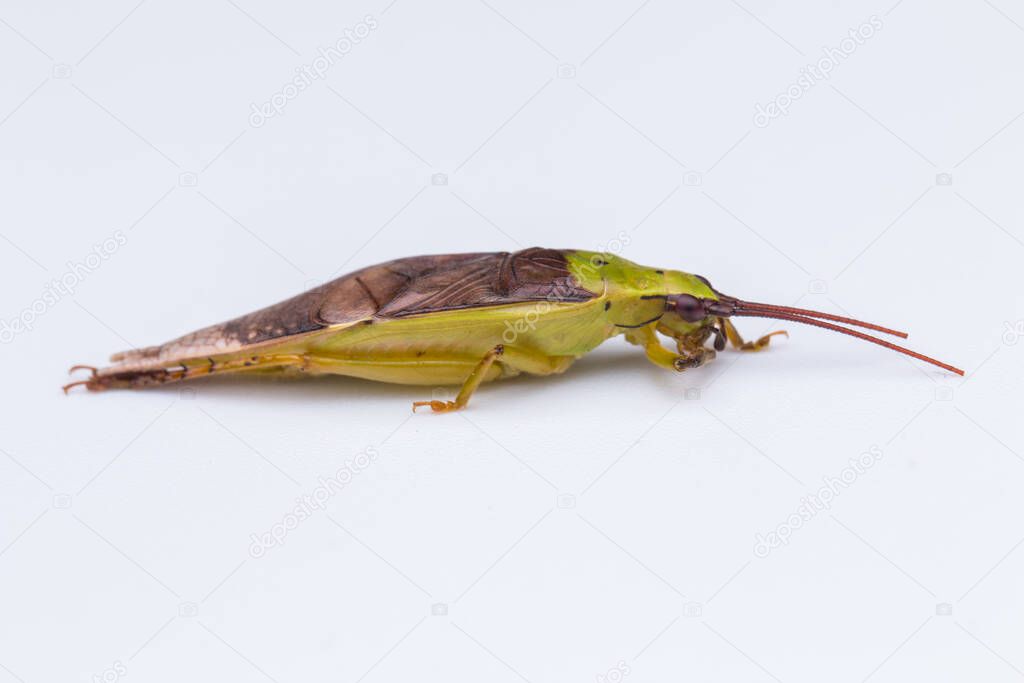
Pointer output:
x,y
737,341
118,378
513,360
690,356
420,367
472,382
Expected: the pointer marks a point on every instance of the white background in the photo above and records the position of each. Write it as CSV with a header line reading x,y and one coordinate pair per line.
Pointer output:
x,y
561,527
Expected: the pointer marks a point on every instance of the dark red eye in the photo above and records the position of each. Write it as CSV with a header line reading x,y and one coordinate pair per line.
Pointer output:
x,y
690,308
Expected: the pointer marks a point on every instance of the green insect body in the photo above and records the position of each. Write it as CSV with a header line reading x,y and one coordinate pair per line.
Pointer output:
x,y
463,319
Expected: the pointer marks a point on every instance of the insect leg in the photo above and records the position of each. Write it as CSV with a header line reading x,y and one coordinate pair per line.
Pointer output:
x,y
689,356
656,353
472,382
517,359
737,341
114,377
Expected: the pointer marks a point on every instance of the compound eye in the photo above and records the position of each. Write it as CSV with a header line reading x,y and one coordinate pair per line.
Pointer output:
x,y
690,308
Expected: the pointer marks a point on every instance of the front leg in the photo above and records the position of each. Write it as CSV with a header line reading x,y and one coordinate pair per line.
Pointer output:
x,y
689,356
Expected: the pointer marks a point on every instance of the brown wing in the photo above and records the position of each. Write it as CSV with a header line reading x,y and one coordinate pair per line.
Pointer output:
x,y
488,280
395,289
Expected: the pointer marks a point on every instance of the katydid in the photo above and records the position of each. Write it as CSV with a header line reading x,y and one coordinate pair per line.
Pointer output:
x,y
464,319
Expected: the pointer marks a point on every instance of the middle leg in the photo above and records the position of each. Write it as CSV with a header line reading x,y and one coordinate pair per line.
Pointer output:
x,y
509,361
476,377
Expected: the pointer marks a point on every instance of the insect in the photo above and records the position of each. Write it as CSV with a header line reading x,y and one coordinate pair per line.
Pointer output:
x,y
463,319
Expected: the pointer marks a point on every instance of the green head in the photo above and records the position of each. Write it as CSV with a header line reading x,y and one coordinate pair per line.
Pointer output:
x,y
688,308
693,304
685,314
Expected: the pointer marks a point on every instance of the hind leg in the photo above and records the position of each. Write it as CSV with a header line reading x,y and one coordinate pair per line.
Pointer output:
x,y
409,367
115,378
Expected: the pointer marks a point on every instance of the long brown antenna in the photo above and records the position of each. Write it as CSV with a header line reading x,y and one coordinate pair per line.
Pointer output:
x,y
807,313
792,317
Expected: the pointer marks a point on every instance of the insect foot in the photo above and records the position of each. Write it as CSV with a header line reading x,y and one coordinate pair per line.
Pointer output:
x,y
762,343
90,384
436,406
695,361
